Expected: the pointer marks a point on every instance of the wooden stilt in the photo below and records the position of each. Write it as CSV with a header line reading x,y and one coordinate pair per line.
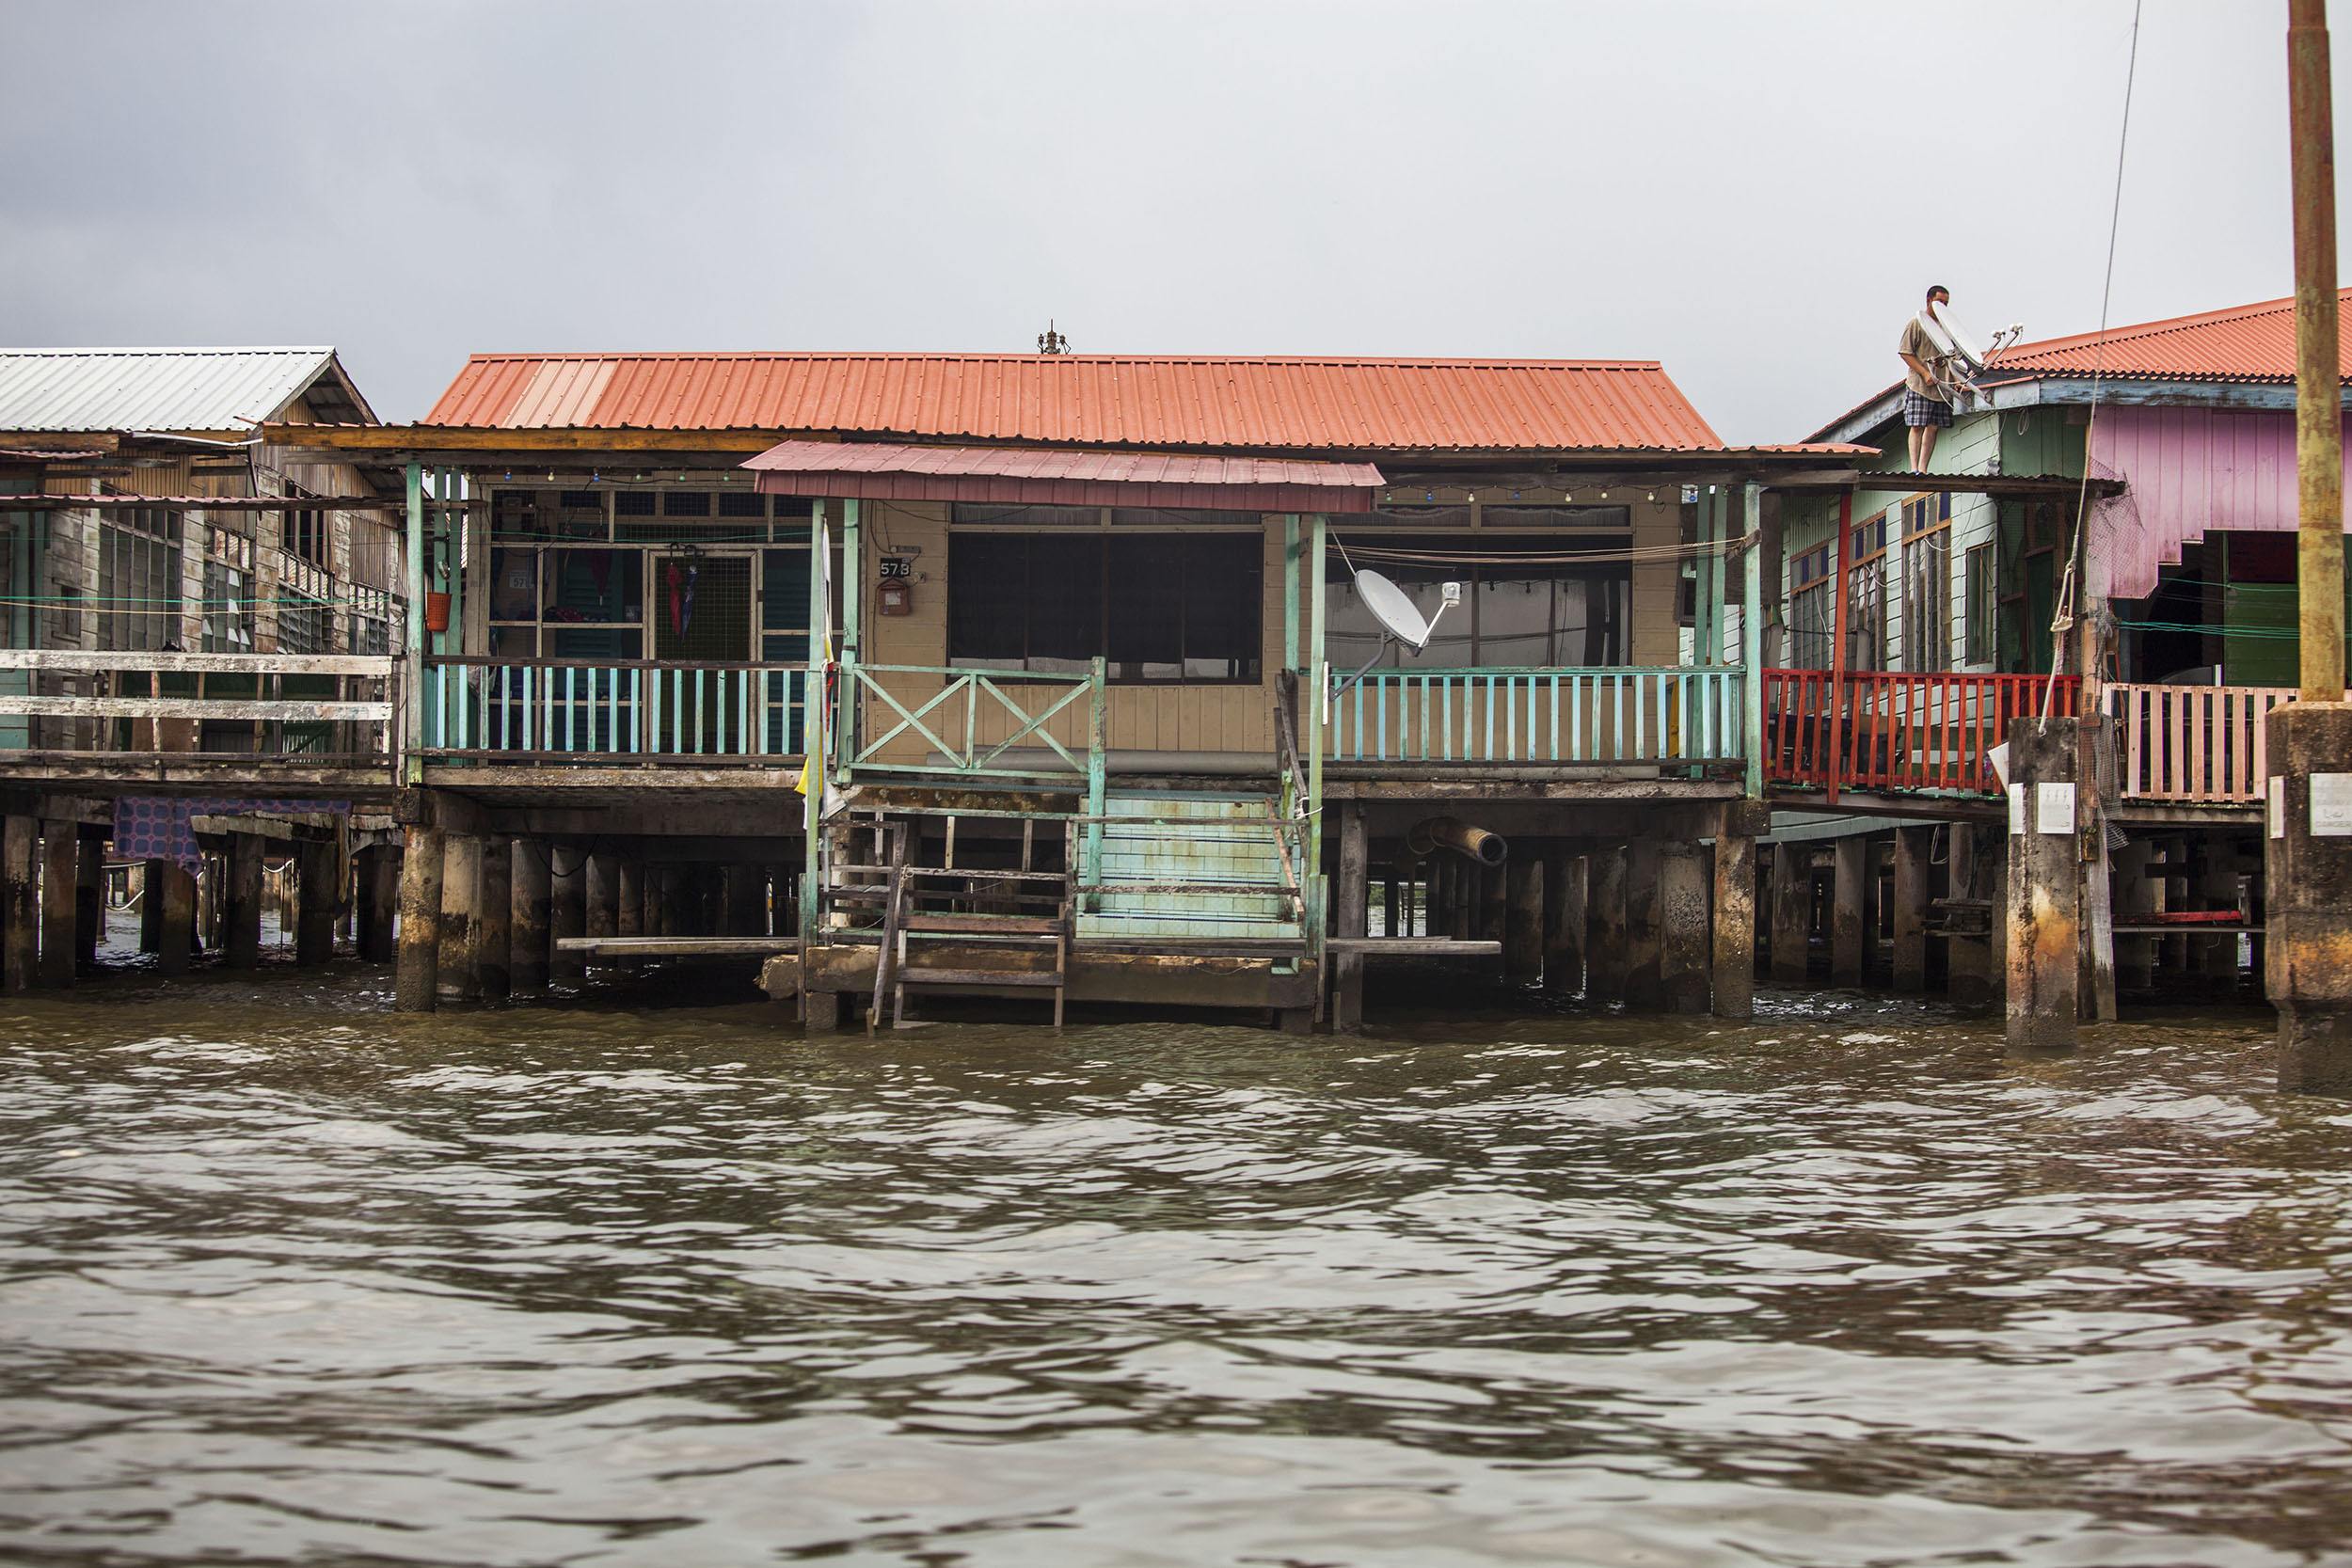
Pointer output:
x,y
241,903
89,901
60,867
314,903
1849,910
2044,902
177,939
20,903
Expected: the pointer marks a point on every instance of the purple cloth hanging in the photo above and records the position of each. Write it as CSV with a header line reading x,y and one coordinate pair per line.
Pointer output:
x,y
157,827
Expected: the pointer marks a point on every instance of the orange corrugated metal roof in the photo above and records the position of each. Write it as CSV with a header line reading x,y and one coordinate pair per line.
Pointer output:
x,y
1100,400
2246,343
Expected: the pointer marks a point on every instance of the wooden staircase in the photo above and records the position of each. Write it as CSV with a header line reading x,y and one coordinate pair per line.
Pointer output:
x,y
1191,869
904,908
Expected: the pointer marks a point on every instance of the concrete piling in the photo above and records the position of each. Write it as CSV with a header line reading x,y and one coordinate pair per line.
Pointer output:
x,y
1523,920
1644,926
1607,955
1563,923
60,865
494,921
1731,984
416,981
1792,911
1849,913
2308,950
567,910
1348,969
90,900
1913,871
529,907
315,899
2044,897
1686,944
461,903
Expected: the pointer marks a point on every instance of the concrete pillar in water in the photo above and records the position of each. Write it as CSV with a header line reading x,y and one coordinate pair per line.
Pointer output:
x,y
1972,976
601,899
461,906
315,866
1392,907
20,903
1493,919
240,902
2044,902
567,910
1792,911
629,918
1607,954
530,914
1351,895
416,979
1645,926
1913,848
1462,892
2308,947
1848,910
60,865
1436,910
1563,923
494,921
1685,948
1523,926
1732,983
90,900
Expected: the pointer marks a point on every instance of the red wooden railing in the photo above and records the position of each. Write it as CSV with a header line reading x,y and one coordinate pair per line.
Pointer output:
x,y
1896,730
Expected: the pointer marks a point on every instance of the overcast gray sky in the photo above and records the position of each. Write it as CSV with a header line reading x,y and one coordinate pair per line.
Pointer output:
x,y
1755,193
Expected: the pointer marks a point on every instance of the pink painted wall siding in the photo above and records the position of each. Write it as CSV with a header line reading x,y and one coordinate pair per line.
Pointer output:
x,y
2191,472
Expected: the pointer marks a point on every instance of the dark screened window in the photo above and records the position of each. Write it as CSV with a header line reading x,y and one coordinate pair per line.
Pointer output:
x,y
1160,607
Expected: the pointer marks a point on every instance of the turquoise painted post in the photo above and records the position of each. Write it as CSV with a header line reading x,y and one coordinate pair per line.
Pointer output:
x,y
1752,637
812,730
412,765
852,592
453,524
1717,573
1318,681
1098,763
1290,591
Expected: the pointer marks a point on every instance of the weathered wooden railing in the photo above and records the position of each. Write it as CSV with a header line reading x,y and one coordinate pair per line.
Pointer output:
x,y
2192,743
310,707
586,710
1663,715
1897,730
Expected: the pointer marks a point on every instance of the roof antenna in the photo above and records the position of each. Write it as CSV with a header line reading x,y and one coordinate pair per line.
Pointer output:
x,y
1050,342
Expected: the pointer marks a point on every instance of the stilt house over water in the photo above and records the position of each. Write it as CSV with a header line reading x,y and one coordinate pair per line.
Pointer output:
x,y
1919,614
1060,647
198,641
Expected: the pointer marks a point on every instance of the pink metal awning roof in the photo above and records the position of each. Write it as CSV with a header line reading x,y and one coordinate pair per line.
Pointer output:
x,y
895,470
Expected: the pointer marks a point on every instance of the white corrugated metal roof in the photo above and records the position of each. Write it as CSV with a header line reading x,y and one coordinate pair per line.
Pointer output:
x,y
159,388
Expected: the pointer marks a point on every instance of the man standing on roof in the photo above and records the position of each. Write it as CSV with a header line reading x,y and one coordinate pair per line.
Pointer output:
x,y
1927,383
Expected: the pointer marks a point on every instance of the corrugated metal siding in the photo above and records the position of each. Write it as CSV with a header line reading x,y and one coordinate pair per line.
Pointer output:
x,y
2191,472
141,389
1361,404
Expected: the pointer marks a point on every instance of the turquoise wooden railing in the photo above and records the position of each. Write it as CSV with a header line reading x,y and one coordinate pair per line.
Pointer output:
x,y
1683,714
567,709
973,723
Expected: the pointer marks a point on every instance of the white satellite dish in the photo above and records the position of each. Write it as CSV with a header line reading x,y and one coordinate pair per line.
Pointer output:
x,y
1949,335
1394,611
1400,622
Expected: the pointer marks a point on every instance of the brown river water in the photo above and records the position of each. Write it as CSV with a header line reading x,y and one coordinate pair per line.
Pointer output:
x,y
285,1278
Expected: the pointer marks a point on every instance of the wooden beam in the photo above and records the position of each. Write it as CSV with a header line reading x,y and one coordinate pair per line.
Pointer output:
x,y
678,947
193,707
73,661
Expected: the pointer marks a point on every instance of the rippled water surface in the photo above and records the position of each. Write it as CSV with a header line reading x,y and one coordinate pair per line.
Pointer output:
x,y
285,1278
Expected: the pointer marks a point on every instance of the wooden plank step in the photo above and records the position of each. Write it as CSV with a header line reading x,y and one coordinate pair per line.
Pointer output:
x,y
1431,948
914,977
979,924
676,947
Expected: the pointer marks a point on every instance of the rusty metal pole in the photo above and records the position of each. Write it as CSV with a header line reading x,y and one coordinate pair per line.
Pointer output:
x,y
2319,409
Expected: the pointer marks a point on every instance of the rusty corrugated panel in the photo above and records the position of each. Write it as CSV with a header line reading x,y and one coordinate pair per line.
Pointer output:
x,y
2246,343
1361,404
